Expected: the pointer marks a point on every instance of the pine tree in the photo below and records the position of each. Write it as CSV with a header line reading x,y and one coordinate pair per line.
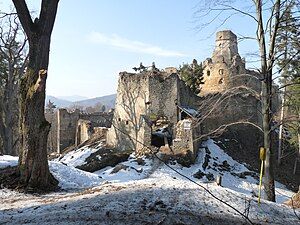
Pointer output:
x,y
288,45
192,75
50,107
288,61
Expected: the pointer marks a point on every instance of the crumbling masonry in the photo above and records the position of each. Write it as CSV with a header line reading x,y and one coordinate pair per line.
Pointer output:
x,y
156,109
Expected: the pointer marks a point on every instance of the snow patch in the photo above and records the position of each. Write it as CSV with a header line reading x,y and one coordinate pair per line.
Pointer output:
x,y
8,160
77,157
72,178
129,170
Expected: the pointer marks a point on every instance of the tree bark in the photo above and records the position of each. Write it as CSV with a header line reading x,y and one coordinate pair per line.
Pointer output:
x,y
33,164
266,70
269,181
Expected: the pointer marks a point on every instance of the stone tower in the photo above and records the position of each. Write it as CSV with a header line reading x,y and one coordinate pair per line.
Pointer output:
x,y
220,70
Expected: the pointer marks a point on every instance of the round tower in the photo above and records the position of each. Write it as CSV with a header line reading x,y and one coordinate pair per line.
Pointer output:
x,y
225,63
226,46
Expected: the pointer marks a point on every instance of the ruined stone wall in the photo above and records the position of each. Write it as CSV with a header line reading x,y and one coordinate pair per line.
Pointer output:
x,y
163,96
226,46
143,99
236,109
221,70
98,119
52,136
63,132
84,131
132,102
66,128
186,97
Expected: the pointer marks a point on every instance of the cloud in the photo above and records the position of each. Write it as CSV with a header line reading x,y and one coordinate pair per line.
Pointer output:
x,y
131,46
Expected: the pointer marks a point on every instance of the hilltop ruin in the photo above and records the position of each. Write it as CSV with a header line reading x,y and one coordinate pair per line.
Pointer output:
x,y
155,110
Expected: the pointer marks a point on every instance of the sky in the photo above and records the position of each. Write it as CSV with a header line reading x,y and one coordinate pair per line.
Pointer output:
x,y
94,40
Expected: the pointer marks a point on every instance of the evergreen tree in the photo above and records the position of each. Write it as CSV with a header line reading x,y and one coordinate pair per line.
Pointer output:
x,y
288,45
50,107
288,61
192,75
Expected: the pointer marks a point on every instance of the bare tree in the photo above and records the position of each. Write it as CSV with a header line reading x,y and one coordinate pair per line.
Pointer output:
x,y
267,17
33,165
13,56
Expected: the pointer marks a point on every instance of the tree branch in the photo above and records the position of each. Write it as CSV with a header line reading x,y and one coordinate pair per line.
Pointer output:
x,y
24,16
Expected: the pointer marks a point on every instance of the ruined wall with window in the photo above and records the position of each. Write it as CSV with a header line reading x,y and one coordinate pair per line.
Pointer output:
x,y
128,125
147,112
229,88
222,70
72,128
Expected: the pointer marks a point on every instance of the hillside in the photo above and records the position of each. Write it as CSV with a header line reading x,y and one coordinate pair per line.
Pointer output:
x,y
146,191
60,103
107,100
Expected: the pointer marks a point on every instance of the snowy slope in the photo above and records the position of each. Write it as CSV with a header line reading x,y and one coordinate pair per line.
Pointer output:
x,y
77,157
68,176
147,201
148,192
7,160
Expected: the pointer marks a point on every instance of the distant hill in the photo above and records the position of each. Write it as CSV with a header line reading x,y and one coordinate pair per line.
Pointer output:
x,y
73,98
108,101
60,103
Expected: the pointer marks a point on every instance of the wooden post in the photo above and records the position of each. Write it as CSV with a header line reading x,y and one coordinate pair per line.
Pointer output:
x,y
219,180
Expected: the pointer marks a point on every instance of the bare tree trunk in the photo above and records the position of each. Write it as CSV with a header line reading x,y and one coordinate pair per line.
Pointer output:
x,y
33,163
269,182
280,135
297,160
2,152
266,70
10,102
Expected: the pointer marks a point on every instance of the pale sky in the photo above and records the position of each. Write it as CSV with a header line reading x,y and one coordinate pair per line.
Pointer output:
x,y
94,40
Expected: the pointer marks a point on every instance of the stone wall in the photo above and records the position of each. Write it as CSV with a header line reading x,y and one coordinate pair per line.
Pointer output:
x,y
235,109
84,131
146,102
52,136
98,119
132,102
221,70
66,128
71,128
163,96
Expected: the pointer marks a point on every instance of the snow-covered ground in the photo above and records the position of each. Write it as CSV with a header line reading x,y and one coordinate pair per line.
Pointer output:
x,y
78,156
147,193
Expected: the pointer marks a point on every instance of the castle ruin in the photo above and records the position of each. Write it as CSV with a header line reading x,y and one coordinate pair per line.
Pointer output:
x,y
153,108
74,128
149,105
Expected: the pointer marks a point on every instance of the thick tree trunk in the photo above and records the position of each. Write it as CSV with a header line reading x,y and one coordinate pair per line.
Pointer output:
x,y
33,163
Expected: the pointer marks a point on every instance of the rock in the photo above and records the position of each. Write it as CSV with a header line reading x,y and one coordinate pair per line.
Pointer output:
x,y
104,157
210,177
199,174
118,168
